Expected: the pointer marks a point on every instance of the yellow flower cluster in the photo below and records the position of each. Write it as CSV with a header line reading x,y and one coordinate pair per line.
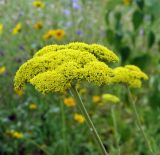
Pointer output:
x,y
100,52
130,75
79,118
17,29
56,68
110,98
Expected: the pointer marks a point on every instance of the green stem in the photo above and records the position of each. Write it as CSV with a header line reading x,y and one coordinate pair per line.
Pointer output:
x,y
115,128
38,146
88,120
139,122
63,128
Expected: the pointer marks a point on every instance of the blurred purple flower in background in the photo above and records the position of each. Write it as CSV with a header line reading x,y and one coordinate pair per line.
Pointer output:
x,y
75,5
66,12
79,32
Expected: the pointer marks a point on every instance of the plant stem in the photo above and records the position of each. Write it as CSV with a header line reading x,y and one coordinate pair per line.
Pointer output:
x,y
38,146
115,128
88,120
139,122
63,128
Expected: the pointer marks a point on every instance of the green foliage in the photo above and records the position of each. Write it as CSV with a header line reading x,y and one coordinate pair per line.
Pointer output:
x,y
137,19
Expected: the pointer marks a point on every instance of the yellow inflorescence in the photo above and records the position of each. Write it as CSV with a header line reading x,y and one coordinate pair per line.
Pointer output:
x,y
130,75
110,98
55,68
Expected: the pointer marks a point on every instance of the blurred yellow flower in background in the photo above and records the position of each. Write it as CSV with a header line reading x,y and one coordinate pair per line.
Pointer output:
x,y
38,4
2,70
59,34
70,102
110,98
17,29
79,118
15,134
1,28
49,34
19,92
38,25
127,2
33,106
96,99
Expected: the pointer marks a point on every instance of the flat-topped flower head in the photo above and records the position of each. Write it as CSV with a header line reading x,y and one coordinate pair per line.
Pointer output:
x,y
55,68
130,75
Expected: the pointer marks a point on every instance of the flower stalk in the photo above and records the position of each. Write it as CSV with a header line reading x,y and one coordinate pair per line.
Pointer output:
x,y
132,101
88,120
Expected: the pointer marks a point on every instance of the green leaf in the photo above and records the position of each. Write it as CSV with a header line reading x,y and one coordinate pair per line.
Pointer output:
x,y
117,39
137,19
117,16
140,4
141,61
110,36
107,17
125,53
151,39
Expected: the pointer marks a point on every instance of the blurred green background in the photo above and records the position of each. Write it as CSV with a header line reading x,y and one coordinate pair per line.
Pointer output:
x,y
32,123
